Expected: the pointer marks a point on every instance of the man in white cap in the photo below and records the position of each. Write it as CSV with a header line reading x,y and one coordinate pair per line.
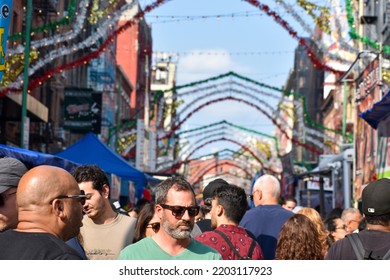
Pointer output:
x,y
11,170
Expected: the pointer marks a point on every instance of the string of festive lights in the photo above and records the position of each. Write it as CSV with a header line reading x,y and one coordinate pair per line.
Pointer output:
x,y
51,26
14,66
16,87
264,151
322,20
223,162
59,38
176,126
221,157
317,41
232,133
180,18
62,51
208,88
220,164
356,36
294,34
39,80
255,3
98,12
224,53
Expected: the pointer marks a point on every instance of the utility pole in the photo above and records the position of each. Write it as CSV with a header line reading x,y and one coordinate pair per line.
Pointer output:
x,y
25,73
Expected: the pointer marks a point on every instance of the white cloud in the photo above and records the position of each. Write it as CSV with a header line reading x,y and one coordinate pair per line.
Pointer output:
x,y
206,63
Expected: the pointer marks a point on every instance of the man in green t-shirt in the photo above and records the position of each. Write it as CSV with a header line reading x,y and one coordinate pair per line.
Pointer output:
x,y
176,209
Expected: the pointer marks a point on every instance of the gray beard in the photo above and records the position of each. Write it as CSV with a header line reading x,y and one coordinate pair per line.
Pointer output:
x,y
176,233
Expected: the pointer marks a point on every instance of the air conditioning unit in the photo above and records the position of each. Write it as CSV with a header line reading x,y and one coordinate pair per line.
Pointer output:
x,y
368,19
59,133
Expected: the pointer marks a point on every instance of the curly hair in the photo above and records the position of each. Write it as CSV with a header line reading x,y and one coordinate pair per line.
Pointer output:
x,y
299,240
315,217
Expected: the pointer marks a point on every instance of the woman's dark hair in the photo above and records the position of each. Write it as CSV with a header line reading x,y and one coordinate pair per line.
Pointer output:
x,y
144,217
330,225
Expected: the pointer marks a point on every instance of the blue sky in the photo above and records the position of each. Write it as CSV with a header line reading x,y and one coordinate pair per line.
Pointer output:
x,y
232,36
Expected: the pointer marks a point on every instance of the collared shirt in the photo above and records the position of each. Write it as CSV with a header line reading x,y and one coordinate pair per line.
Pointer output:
x,y
238,237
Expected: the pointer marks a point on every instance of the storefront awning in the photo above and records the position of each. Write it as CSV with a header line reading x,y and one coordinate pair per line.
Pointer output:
x,y
34,106
378,116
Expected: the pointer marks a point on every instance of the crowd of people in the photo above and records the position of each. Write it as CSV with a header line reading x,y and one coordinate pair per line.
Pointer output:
x,y
48,213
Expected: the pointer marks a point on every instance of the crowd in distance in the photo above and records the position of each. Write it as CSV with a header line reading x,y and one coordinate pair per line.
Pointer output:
x,y
48,213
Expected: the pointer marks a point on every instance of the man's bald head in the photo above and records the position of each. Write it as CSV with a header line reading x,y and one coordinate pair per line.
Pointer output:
x,y
269,188
48,201
42,183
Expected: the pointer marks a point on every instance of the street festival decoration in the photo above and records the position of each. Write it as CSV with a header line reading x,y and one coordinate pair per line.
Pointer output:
x,y
112,14
109,23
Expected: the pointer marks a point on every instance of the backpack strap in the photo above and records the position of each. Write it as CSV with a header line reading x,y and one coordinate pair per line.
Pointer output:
x,y
252,248
387,256
229,243
357,245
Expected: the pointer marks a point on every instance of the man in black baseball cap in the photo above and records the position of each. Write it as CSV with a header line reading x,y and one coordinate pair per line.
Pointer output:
x,y
11,170
208,194
376,237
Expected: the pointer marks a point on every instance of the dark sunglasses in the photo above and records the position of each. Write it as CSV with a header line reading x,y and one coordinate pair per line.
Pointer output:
x,y
179,211
154,226
4,197
82,196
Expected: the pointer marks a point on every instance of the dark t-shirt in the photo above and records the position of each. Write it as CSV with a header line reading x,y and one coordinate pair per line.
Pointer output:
x,y
204,225
34,246
373,240
265,222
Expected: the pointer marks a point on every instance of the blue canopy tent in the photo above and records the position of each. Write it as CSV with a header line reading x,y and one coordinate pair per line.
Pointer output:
x,y
33,158
90,150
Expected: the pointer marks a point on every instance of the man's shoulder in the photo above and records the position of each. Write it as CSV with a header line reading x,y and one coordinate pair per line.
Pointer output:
x,y
36,245
139,250
199,248
125,219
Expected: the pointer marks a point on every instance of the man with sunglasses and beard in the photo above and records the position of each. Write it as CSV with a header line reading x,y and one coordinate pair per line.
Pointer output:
x,y
176,209
50,213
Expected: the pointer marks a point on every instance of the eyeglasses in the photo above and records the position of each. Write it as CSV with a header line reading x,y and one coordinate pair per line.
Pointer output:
x,y
4,197
355,221
154,226
179,211
81,196
344,227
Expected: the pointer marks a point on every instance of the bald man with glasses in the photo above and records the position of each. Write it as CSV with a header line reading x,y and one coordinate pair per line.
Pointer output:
x,y
176,209
50,206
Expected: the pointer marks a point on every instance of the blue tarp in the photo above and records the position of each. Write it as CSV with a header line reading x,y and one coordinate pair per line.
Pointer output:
x,y
378,113
33,158
90,150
